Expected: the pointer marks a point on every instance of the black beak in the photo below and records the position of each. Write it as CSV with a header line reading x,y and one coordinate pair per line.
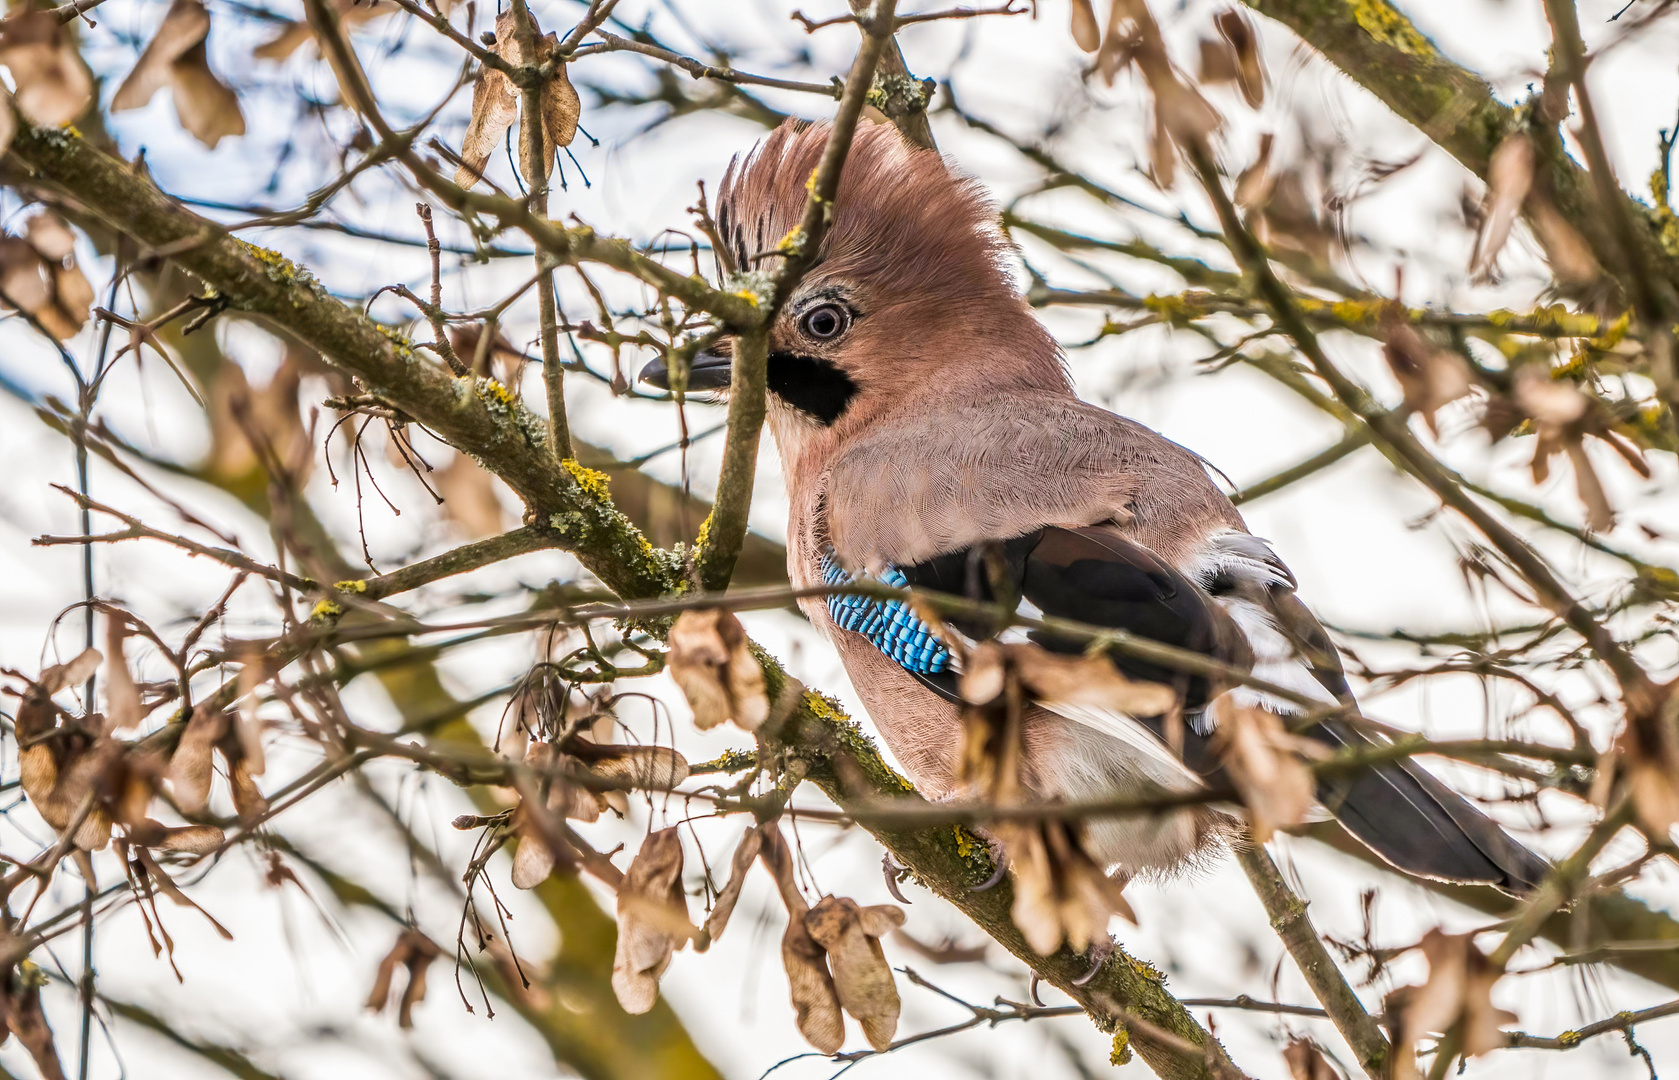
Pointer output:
x,y
709,371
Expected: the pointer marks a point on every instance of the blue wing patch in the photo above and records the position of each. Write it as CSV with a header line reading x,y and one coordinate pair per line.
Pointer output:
x,y
889,625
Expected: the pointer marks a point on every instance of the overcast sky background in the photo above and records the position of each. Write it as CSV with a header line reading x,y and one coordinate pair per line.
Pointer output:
x,y
1361,541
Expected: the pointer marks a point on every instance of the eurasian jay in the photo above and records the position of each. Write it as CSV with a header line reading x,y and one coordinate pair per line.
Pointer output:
x,y
930,437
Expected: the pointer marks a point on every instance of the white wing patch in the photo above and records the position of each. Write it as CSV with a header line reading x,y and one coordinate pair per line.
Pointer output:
x,y
1250,568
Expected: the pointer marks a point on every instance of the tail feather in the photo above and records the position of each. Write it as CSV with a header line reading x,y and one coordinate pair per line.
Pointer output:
x,y
1419,825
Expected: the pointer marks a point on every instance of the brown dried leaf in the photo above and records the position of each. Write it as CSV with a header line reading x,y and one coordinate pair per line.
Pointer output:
x,y
1306,1061
651,768
1087,680
186,839
815,1002
533,859
186,25
166,884
1509,179
414,951
722,680
176,57
1086,34
1572,262
207,107
1265,766
862,979
53,85
122,696
25,1018
190,766
746,852
1060,893
1648,757
470,498
1458,993
495,103
1562,415
1430,375
1238,31
652,920
351,13
39,273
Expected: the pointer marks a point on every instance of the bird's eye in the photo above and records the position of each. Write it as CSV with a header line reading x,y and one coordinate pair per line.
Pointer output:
x,y
825,322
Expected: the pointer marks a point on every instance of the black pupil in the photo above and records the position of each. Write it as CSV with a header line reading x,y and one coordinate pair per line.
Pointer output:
x,y
824,322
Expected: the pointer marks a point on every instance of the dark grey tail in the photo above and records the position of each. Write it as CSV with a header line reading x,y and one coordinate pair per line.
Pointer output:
x,y
1415,822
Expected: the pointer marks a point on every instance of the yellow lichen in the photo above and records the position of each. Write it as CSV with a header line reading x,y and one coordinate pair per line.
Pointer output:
x,y
355,586
1174,309
704,536
1389,27
325,611
494,391
592,481
1121,1052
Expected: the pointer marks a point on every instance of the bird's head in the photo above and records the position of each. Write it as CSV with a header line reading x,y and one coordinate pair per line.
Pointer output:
x,y
910,295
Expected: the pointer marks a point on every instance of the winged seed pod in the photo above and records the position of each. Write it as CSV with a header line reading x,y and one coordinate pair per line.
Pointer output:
x,y
53,85
1060,893
414,951
1458,993
495,103
816,1006
862,979
746,853
58,766
717,672
652,920
176,58
38,273
1265,766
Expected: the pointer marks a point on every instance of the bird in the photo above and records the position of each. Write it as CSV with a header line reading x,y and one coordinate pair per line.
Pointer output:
x,y
931,437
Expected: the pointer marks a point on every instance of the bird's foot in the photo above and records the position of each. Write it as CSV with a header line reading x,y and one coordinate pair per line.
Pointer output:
x,y
1097,954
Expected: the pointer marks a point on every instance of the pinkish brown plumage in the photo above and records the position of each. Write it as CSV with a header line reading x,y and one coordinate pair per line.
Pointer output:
x,y
923,414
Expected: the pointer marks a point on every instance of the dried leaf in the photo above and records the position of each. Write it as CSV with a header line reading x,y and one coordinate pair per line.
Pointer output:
x,y
122,696
746,852
39,273
1572,262
1253,186
815,1002
717,672
1509,179
652,920
1060,893
414,951
533,859
25,1018
1265,766
495,103
190,766
185,839
1647,753
862,979
1306,1061
176,57
1562,415
1086,34
1458,993
470,498
1087,680
351,13
1430,376
651,768
53,85
1238,31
